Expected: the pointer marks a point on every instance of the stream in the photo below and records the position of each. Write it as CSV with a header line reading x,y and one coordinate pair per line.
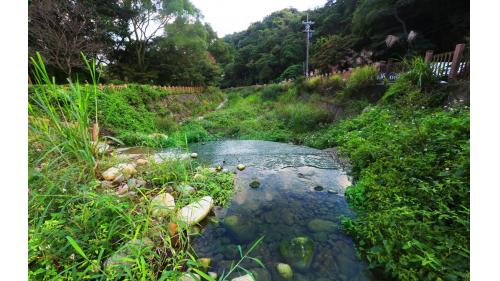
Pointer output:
x,y
294,197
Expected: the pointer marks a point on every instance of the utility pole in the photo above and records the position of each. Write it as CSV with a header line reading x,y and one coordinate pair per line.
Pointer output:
x,y
309,33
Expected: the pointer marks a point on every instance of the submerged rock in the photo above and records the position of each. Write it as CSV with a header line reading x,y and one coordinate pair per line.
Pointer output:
x,y
261,274
163,204
246,277
241,230
254,184
197,211
319,225
298,251
285,271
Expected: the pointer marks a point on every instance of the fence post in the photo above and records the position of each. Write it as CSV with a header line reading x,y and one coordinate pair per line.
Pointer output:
x,y
428,56
455,63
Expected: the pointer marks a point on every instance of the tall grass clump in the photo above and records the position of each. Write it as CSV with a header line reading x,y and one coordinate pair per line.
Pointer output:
x,y
61,118
416,86
361,80
302,117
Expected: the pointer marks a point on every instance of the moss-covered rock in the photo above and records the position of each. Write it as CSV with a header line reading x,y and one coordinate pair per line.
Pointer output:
x,y
298,251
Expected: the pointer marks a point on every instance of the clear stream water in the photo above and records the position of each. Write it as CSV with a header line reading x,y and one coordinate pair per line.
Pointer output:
x,y
299,187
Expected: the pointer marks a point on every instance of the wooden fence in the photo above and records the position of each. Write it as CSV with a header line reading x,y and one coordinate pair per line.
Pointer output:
x,y
453,65
171,89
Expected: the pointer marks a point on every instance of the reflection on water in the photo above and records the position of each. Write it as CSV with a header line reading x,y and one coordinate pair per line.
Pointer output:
x,y
287,204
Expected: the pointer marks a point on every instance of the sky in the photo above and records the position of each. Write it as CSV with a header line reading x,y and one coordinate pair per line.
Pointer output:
x,y
228,16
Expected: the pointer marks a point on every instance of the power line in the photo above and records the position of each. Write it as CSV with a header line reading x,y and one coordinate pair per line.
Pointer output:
x,y
309,33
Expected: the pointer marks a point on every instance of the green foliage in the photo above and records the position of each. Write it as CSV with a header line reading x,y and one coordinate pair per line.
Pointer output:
x,y
301,117
412,189
272,91
291,72
415,86
61,118
360,81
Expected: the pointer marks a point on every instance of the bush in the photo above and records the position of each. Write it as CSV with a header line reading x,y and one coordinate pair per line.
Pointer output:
x,y
412,189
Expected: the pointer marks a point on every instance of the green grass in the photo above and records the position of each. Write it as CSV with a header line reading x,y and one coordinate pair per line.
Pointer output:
x,y
410,160
75,225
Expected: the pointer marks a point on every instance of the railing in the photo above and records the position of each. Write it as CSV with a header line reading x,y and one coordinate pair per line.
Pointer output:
x,y
454,65
171,89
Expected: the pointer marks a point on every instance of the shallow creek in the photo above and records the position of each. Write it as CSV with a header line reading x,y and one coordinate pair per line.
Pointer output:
x,y
300,193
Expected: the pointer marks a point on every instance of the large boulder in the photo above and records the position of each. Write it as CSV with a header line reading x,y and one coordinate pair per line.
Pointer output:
x,y
196,211
162,205
319,225
298,252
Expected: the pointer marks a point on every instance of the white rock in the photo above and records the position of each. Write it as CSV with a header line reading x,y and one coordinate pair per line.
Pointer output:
x,y
194,155
197,211
111,173
162,204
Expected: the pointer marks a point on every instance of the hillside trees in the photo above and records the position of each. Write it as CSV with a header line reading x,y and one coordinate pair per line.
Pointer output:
x,y
347,33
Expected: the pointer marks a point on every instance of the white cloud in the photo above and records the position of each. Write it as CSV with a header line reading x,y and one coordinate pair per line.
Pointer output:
x,y
228,16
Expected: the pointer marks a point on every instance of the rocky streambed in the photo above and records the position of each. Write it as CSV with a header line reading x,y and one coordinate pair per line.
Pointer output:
x,y
291,195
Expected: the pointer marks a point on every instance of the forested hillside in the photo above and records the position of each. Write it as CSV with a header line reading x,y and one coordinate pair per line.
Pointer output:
x,y
347,33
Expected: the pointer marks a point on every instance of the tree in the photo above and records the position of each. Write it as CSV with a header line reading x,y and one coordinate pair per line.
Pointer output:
x,y
61,30
150,17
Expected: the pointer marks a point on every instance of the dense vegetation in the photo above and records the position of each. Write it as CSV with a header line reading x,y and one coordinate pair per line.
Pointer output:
x,y
348,33
165,42
408,142
80,229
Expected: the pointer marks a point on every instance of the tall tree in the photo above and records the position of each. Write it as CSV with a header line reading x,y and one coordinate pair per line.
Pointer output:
x,y
149,18
61,30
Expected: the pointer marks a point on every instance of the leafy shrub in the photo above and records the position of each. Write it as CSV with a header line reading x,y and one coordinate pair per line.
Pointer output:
x,y
412,189
291,72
